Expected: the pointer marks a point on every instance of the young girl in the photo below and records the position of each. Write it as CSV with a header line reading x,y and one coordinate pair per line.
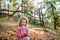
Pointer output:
x,y
22,31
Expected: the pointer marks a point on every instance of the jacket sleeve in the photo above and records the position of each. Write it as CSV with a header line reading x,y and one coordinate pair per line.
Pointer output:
x,y
19,34
27,30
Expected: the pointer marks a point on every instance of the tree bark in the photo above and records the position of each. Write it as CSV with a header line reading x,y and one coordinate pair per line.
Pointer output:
x,y
13,12
55,22
41,19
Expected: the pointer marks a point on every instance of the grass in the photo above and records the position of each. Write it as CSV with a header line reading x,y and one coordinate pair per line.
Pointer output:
x,y
44,28
32,26
8,21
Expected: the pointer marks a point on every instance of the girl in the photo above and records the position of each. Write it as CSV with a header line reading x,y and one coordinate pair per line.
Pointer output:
x,y
22,31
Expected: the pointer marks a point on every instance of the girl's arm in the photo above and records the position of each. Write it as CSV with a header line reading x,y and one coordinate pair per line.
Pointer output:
x,y
19,33
27,32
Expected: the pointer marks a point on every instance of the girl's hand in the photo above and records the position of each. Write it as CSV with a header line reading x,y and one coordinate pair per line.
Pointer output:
x,y
25,33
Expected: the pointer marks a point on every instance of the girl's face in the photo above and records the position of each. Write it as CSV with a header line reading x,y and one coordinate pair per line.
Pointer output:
x,y
23,22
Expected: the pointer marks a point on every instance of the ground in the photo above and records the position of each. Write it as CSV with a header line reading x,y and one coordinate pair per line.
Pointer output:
x,y
35,33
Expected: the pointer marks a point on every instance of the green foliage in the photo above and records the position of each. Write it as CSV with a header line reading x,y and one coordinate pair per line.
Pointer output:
x,y
14,3
25,1
51,11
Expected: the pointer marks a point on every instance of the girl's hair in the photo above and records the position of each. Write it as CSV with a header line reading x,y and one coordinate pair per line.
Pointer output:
x,y
23,18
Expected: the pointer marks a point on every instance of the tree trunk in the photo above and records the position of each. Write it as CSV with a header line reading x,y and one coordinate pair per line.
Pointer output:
x,y
39,16
54,18
8,8
41,19
0,4
55,22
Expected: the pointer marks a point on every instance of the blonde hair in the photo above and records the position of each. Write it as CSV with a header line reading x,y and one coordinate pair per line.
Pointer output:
x,y
23,18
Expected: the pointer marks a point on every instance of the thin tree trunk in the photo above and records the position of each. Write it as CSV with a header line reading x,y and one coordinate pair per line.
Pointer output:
x,y
40,16
54,18
0,5
55,22
42,20
8,8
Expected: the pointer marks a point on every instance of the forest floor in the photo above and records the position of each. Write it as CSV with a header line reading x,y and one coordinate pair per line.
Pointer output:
x,y
36,33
